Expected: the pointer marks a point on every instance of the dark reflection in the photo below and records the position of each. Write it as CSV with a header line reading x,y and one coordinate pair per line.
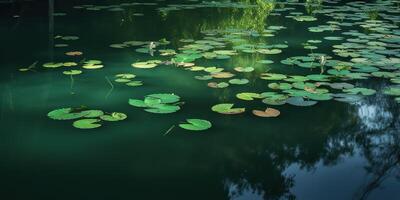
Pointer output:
x,y
370,130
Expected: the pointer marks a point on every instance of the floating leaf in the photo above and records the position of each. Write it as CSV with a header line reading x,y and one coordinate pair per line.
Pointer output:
x,y
196,125
244,69
115,116
269,112
87,123
72,72
134,83
299,101
226,108
239,81
248,96
358,90
65,114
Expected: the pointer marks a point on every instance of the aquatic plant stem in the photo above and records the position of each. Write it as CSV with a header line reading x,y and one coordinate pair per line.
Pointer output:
x,y
169,130
72,84
111,89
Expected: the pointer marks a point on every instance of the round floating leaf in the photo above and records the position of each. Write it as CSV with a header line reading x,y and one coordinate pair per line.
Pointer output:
x,y
385,74
74,53
165,97
392,90
92,113
274,77
65,114
358,90
269,112
265,61
92,66
222,75
137,103
226,108
122,80
349,98
239,81
196,125
248,96
52,65
299,101
72,72
217,85
125,76
244,69
280,86
163,109
87,124
269,51
144,65
134,83
115,116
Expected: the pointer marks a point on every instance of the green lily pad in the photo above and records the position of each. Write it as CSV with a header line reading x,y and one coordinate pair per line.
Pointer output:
x,y
248,96
72,72
87,123
239,81
280,86
165,97
163,109
226,108
358,90
115,116
299,101
92,113
134,83
244,69
273,77
137,103
196,125
392,90
65,114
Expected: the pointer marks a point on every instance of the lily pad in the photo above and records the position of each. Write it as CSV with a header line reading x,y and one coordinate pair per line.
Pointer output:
x,y
196,125
269,112
65,114
358,90
226,108
299,101
115,116
87,123
248,96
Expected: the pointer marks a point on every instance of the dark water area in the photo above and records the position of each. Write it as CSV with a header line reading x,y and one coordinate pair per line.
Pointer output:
x,y
346,146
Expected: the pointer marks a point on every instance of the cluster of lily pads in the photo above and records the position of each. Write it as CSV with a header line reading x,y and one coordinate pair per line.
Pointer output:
x,y
362,49
114,7
86,118
127,78
166,103
162,103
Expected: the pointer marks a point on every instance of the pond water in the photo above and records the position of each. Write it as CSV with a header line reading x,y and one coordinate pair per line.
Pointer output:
x,y
328,71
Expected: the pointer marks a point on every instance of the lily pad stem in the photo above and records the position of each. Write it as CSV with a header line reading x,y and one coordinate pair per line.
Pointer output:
x,y
112,87
169,130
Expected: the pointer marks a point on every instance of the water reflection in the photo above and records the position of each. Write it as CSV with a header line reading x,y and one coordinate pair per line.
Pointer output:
x,y
369,132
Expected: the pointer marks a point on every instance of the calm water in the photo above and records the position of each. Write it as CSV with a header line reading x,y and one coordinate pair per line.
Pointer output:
x,y
332,150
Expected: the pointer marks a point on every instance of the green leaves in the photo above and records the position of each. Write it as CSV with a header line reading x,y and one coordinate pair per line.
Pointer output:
x,y
147,64
248,96
115,116
87,123
227,108
65,114
363,91
196,125
92,118
158,103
